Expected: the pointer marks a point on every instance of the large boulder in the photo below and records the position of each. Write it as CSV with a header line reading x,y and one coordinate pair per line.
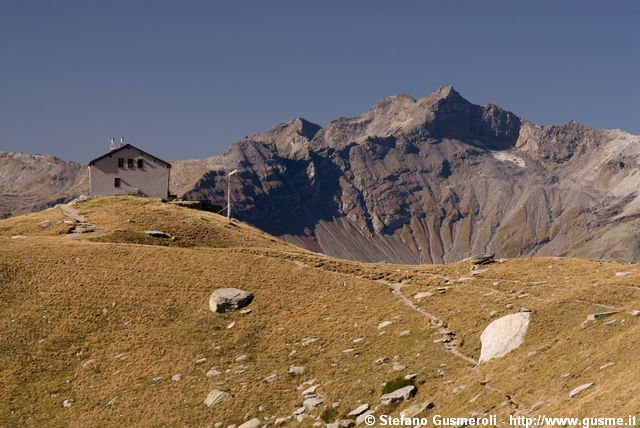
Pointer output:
x,y
229,299
503,335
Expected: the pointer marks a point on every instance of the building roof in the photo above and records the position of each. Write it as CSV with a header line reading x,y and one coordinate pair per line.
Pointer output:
x,y
130,146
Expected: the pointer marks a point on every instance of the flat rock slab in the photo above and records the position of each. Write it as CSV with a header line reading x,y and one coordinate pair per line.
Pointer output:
x,y
401,394
229,299
358,411
216,397
578,389
503,335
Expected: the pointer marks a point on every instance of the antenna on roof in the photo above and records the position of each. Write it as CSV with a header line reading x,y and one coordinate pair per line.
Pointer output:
x,y
112,144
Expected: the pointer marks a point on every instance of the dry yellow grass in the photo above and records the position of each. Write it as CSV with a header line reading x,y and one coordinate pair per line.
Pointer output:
x,y
139,311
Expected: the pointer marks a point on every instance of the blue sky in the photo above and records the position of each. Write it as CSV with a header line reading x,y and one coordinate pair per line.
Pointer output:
x,y
184,79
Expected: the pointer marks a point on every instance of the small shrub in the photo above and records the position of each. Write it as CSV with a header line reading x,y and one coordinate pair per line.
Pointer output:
x,y
396,383
328,414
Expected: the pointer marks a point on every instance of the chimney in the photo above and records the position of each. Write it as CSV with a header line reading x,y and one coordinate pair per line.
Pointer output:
x,y
121,141
112,145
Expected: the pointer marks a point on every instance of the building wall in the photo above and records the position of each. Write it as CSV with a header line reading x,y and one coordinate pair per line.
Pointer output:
x,y
150,180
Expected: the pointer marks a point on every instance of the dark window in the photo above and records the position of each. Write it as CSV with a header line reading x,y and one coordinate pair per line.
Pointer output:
x,y
130,163
120,162
116,182
140,163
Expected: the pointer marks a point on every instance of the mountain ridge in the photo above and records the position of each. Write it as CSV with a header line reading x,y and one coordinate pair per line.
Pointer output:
x,y
432,180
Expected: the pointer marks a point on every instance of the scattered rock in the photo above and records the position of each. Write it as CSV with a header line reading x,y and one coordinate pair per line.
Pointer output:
x,y
270,378
358,410
241,358
157,234
313,402
416,409
213,373
401,394
253,423
411,376
578,389
113,401
18,237
342,423
231,325
176,377
397,367
381,360
44,224
600,315
68,402
404,333
384,324
215,397
246,311
229,299
200,361
604,366
280,421
310,391
482,260
360,419
89,364
623,273
503,335
296,370
358,340
635,312
422,295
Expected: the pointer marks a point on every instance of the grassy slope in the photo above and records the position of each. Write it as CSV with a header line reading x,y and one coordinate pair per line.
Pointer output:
x,y
139,310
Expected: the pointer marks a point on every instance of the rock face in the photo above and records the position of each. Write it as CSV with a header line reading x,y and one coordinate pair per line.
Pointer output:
x,y
503,335
229,299
431,180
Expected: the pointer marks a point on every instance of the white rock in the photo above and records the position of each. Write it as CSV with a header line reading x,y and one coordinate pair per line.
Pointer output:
x,y
600,315
280,421
229,299
176,377
200,361
253,423
384,324
241,358
398,395
405,333
358,410
503,335
113,400
623,273
68,402
397,367
635,313
296,370
270,378
215,397
578,389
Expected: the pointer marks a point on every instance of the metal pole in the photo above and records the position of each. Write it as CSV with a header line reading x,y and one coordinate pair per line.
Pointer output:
x,y
228,197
